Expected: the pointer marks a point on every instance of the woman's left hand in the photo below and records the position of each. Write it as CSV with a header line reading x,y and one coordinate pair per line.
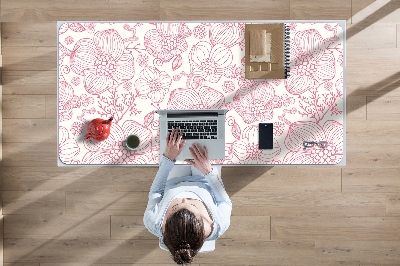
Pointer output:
x,y
174,144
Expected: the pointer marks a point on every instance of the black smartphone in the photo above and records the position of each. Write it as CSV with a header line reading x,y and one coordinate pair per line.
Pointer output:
x,y
265,136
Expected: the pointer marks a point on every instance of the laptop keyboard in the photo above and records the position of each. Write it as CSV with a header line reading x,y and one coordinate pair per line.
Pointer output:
x,y
195,129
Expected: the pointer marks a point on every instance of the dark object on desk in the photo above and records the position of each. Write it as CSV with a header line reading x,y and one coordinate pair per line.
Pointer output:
x,y
310,144
265,136
267,51
132,142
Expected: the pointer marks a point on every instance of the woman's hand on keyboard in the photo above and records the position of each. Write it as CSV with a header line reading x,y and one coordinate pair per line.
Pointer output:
x,y
200,159
174,145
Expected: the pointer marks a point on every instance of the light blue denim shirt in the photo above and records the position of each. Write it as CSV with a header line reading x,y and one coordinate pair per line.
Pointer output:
x,y
209,188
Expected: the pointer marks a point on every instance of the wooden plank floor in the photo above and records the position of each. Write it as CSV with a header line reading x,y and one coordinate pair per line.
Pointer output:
x,y
281,215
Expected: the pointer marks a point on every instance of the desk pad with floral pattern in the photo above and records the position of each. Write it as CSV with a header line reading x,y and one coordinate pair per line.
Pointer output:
x,y
129,70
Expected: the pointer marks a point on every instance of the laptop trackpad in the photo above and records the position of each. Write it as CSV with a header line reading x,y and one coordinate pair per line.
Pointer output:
x,y
213,147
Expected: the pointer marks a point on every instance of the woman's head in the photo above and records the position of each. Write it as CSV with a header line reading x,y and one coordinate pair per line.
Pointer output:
x,y
184,235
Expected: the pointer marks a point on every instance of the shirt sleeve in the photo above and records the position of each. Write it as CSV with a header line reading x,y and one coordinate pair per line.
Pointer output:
x,y
156,194
222,199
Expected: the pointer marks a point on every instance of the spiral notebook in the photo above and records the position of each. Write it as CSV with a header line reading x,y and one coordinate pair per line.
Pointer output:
x,y
267,54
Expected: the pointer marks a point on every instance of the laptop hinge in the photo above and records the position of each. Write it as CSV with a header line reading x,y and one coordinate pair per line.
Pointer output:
x,y
190,114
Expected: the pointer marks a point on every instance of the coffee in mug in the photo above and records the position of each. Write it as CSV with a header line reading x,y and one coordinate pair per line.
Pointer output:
x,y
132,142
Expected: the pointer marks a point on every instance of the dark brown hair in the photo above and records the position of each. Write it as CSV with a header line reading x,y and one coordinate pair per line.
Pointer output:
x,y
184,235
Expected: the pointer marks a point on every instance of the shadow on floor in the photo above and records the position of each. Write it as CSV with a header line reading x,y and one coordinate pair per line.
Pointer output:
x,y
380,88
382,12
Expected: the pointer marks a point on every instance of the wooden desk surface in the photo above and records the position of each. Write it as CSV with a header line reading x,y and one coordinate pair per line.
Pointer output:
x,y
129,70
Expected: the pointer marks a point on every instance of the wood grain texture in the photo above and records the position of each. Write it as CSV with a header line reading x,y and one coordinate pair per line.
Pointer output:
x,y
1,238
23,58
371,12
79,179
1,157
384,36
334,228
242,252
28,34
393,204
21,264
42,10
382,155
0,35
324,9
363,80
51,106
381,180
397,35
30,154
24,106
363,252
50,226
84,251
33,202
309,204
30,82
147,251
377,18
275,179
249,227
373,131
319,216
383,108
129,227
15,130
112,264
223,10
356,108
359,6
107,203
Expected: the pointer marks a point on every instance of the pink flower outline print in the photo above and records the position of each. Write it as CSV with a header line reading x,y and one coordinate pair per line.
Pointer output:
x,y
235,130
227,34
312,64
200,31
110,69
69,40
167,41
143,60
245,150
152,84
332,132
209,61
66,94
75,27
75,81
204,98
228,86
68,148
279,128
103,61
67,101
255,103
77,128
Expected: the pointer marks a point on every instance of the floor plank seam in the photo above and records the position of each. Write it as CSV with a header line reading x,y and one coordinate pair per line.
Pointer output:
x,y
270,227
370,194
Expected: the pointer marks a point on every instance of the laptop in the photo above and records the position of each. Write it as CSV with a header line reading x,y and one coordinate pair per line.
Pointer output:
x,y
204,127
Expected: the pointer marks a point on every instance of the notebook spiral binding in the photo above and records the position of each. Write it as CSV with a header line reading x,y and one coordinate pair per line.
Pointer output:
x,y
287,51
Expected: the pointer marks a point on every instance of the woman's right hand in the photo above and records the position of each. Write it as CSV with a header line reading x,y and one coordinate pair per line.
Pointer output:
x,y
200,159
